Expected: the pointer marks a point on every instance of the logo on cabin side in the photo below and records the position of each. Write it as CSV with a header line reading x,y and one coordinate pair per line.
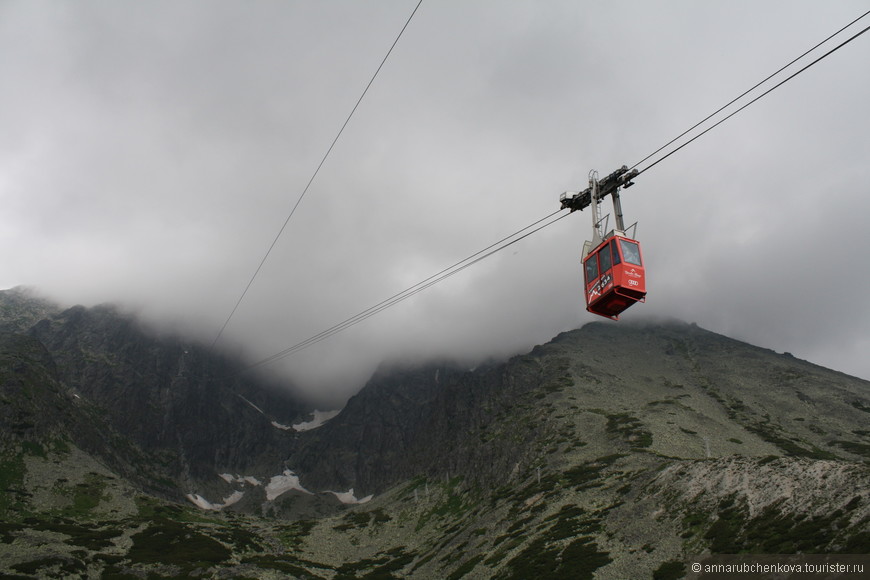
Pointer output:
x,y
601,286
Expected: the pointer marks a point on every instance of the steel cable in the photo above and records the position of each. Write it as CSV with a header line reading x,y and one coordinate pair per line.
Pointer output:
x,y
313,176
743,94
415,289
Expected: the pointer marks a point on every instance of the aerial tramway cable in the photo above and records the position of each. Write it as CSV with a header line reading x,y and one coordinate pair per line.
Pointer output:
x,y
746,92
313,176
416,288
515,237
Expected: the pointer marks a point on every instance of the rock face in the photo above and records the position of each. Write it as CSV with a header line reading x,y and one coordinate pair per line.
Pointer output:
x,y
33,401
672,388
22,307
436,420
188,411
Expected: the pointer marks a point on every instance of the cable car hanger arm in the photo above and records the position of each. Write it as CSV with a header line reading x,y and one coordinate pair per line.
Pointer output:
x,y
622,177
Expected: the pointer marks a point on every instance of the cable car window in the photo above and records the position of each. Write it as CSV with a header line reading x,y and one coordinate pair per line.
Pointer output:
x,y
604,258
591,269
616,259
630,252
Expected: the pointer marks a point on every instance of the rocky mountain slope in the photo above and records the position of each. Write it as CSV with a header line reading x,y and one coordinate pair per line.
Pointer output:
x,y
614,451
139,400
678,390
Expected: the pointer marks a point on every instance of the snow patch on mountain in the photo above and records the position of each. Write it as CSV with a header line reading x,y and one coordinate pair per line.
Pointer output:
x,y
283,483
349,498
318,419
203,503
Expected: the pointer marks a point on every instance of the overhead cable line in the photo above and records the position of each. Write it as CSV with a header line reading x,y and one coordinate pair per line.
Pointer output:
x,y
782,82
313,176
512,239
416,288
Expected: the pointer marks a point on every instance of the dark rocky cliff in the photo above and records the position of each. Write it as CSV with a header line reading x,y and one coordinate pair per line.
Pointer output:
x,y
437,420
189,410
39,413
21,307
489,423
33,401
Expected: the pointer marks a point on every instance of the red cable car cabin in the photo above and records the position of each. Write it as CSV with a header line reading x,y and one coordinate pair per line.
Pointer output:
x,y
614,276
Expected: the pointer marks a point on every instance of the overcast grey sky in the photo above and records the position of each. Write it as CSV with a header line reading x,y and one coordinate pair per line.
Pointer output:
x,y
150,152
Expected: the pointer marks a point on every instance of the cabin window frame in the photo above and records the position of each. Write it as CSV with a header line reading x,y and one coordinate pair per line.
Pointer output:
x,y
604,252
633,255
591,264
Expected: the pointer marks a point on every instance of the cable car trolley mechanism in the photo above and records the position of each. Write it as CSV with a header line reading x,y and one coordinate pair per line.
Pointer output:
x,y
613,270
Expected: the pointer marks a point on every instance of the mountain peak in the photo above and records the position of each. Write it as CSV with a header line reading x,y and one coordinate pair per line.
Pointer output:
x,y
685,391
21,307
553,460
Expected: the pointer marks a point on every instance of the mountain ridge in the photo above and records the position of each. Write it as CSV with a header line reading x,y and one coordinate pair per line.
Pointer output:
x,y
192,410
682,352
613,451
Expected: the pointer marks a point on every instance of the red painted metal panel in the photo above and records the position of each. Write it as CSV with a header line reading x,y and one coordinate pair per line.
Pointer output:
x,y
618,286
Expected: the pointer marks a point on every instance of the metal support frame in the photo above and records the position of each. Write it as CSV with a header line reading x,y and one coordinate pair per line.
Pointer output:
x,y
593,195
617,211
608,186
597,236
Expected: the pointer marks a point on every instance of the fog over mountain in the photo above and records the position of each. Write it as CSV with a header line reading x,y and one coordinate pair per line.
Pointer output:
x,y
152,151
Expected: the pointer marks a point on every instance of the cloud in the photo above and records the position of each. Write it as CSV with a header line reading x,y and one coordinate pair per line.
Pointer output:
x,y
151,152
